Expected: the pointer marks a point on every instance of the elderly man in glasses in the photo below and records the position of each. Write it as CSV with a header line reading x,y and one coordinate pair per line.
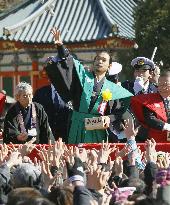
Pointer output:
x,y
153,110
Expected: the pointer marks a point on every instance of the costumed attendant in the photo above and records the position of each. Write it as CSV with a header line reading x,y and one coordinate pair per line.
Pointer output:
x,y
153,110
88,91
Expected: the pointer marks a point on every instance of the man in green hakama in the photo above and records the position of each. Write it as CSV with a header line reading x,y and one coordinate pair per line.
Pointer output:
x,y
84,89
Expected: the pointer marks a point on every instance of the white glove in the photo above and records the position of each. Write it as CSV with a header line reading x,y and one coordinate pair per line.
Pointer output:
x,y
166,127
138,85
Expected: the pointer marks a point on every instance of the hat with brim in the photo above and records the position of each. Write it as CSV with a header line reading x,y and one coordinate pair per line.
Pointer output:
x,y
142,63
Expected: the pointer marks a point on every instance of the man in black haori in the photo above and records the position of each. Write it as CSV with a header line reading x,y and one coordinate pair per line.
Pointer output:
x,y
25,119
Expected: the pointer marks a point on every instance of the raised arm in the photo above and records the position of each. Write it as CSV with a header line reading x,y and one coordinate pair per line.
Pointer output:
x,y
60,68
63,53
63,74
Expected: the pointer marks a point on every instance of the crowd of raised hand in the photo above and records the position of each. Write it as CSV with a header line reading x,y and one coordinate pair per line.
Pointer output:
x,y
64,175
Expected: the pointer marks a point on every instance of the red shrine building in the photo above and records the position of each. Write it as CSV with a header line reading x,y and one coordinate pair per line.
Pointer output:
x,y
86,27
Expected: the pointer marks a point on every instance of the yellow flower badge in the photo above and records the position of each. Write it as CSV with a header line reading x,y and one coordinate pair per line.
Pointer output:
x,y
107,95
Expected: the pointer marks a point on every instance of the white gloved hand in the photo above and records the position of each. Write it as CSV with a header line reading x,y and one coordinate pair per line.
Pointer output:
x,y
166,127
138,85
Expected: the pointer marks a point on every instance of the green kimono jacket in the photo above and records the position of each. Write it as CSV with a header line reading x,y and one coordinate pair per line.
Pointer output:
x,y
77,133
75,84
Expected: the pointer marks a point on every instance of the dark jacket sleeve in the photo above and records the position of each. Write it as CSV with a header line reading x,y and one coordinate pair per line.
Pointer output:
x,y
150,173
149,176
4,183
62,73
44,127
11,130
151,120
59,70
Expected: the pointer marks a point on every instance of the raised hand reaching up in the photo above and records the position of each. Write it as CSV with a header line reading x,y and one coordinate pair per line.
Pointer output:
x,y
129,130
57,36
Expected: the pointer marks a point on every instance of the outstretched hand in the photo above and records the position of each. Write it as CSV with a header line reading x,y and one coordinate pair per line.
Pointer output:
x,y
57,36
129,129
76,170
105,151
150,154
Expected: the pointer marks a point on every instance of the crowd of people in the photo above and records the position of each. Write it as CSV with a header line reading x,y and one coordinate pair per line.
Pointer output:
x,y
57,115
78,176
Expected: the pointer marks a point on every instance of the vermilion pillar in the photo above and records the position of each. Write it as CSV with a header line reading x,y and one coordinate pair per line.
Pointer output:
x,y
34,76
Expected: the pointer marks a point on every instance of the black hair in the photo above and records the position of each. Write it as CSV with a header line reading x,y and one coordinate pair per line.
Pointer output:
x,y
22,194
36,201
107,52
61,195
134,182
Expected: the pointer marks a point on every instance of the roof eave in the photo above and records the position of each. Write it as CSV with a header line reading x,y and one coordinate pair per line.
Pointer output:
x,y
12,29
105,13
15,8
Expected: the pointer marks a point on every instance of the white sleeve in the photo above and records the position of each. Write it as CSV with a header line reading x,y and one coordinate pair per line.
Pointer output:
x,y
166,127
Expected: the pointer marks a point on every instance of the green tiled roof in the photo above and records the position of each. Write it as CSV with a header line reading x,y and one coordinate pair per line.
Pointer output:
x,y
78,20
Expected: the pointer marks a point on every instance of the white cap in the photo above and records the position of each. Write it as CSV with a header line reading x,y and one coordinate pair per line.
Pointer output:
x,y
115,68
